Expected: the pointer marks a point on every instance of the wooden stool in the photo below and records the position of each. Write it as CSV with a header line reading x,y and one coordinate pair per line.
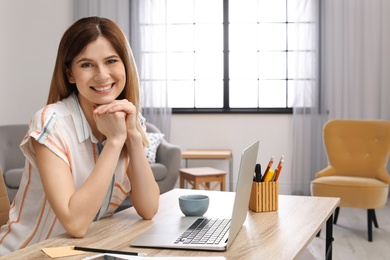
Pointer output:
x,y
202,177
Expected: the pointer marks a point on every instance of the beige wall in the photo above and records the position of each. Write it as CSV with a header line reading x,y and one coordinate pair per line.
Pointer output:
x,y
30,32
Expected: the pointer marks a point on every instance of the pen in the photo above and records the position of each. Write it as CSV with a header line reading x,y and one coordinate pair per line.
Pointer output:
x,y
258,173
271,161
99,250
280,166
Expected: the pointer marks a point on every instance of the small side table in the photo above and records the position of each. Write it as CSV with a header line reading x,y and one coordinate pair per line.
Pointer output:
x,y
205,154
202,177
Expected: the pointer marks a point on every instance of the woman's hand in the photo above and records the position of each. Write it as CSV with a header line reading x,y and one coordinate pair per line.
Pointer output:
x,y
120,106
110,122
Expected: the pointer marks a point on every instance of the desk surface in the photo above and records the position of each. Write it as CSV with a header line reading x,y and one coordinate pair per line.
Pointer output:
x,y
282,234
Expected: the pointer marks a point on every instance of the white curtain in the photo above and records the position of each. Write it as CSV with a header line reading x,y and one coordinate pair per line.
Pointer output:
x,y
308,113
349,75
134,18
148,40
356,58
116,10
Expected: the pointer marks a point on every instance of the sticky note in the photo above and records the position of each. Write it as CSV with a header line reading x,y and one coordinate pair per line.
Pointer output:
x,y
62,251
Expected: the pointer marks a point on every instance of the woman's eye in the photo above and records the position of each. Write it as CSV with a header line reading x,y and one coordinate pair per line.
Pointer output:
x,y
112,61
86,65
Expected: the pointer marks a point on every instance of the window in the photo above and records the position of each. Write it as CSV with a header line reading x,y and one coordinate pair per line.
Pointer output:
x,y
224,55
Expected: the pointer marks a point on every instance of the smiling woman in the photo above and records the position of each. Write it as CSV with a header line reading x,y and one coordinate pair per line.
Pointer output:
x,y
85,149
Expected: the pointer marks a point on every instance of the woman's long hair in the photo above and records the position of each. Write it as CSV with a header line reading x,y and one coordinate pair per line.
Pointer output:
x,y
75,40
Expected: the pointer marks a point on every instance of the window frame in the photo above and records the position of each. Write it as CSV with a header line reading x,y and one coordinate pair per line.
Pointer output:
x,y
226,109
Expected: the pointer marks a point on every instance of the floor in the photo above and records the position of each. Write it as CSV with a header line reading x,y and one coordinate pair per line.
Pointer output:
x,y
350,235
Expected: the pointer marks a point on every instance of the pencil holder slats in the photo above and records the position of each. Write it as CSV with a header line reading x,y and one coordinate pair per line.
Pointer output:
x,y
264,196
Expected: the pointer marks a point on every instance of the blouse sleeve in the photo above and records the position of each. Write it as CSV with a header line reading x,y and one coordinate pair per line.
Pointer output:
x,y
43,128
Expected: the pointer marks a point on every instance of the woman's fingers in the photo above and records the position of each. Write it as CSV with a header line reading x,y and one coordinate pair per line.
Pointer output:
x,y
116,106
120,106
111,124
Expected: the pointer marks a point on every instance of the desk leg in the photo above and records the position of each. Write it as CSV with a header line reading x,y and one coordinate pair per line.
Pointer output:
x,y
329,238
231,173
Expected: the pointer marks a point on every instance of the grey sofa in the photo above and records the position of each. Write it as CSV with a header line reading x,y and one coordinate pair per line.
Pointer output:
x,y
165,170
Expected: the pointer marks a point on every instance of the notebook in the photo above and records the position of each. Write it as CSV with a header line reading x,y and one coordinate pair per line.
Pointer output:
x,y
168,232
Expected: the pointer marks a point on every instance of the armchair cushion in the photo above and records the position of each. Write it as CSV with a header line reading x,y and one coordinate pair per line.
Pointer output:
x,y
160,171
154,140
12,177
355,192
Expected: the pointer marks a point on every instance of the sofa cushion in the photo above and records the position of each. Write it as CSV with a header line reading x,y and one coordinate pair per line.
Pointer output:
x,y
12,177
160,172
154,140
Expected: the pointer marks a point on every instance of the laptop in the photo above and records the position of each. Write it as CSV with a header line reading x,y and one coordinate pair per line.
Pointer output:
x,y
177,232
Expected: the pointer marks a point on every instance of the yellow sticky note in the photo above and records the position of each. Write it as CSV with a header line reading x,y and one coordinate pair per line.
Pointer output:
x,y
62,251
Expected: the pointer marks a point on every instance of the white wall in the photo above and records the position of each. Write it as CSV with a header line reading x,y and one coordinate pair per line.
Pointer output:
x,y
30,33
235,132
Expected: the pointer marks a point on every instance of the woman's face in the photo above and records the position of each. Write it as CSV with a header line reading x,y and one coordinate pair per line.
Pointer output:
x,y
98,72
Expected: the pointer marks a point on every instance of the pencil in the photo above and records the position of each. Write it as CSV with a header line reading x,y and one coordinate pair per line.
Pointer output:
x,y
99,250
271,161
280,166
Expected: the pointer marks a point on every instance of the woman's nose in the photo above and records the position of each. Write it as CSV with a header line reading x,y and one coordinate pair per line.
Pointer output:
x,y
101,74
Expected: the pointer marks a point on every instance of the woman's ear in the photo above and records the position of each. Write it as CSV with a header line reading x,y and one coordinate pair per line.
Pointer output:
x,y
70,77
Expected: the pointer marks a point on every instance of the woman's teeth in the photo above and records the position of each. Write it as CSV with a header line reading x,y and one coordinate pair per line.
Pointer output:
x,y
103,88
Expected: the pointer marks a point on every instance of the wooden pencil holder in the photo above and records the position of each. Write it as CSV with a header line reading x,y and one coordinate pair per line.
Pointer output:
x,y
264,196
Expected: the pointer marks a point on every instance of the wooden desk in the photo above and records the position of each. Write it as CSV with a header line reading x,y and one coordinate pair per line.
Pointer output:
x,y
282,234
205,154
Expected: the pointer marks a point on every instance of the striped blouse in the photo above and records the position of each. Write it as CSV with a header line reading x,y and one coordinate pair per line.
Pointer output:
x,y
63,128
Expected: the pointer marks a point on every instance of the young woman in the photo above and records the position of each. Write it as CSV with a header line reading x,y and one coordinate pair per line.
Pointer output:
x,y
85,149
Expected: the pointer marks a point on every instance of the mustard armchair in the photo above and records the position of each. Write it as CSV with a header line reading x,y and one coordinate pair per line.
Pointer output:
x,y
358,152
4,202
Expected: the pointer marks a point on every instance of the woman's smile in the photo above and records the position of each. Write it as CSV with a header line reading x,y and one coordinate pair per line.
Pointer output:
x,y
103,89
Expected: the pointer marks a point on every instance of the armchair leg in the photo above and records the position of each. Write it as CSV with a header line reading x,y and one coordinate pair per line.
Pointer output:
x,y
370,218
374,218
336,215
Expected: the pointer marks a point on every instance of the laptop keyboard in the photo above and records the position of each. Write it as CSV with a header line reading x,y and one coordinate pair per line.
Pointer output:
x,y
205,231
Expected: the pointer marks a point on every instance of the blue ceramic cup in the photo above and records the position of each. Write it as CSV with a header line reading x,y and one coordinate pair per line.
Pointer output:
x,y
194,204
